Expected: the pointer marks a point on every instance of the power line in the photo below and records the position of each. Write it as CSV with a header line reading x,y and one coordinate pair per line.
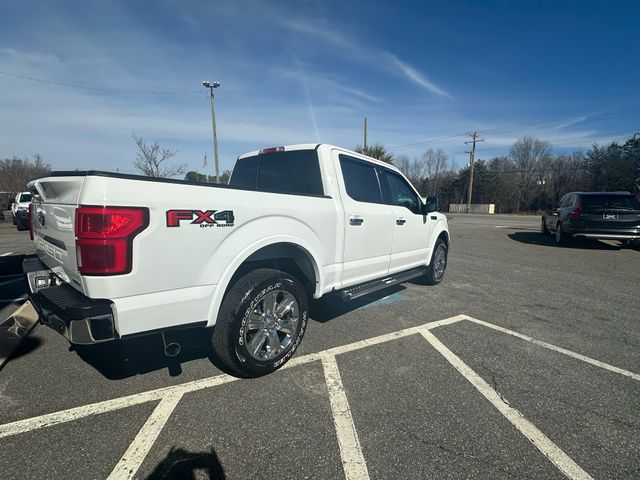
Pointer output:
x,y
430,140
97,89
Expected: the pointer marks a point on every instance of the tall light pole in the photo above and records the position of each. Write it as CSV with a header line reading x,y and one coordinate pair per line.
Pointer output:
x,y
211,86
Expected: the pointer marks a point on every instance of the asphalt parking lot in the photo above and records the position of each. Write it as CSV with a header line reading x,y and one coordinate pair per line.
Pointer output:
x,y
523,363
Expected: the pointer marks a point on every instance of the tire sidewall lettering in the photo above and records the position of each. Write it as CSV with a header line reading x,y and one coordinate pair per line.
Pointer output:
x,y
291,351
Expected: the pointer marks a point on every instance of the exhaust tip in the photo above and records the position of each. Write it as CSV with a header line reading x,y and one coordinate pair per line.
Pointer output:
x,y
172,349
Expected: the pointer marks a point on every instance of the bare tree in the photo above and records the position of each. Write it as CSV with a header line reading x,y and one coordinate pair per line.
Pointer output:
x,y
150,159
404,164
413,169
435,165
528,155
16,172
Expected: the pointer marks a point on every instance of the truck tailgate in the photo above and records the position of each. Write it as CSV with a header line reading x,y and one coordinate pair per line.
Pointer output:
x,y
53,225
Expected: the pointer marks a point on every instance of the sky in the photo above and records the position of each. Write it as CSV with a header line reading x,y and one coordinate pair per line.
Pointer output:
x,y
424,73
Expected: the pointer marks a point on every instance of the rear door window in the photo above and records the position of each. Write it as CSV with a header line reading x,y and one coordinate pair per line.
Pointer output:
x,y
296,171
360,180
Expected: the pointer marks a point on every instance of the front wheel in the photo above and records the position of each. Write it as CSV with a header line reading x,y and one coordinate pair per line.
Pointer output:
x,y
261,322
21,225
562,239
438,264
543,228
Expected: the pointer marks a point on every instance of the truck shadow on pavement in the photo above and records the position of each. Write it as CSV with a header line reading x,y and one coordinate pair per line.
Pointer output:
x,y
536,238
182,464
139,355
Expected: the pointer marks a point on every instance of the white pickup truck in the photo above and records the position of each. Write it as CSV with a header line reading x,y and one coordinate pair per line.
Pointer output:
x,y
123,255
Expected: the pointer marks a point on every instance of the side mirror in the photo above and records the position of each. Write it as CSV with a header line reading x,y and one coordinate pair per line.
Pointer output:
x,y
431,205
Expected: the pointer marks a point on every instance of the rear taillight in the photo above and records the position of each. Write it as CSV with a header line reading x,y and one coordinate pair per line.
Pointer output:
x,y
577,211
104,238
29,219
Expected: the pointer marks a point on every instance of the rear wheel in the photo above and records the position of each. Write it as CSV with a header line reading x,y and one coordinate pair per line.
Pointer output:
x,y
438,264
261,322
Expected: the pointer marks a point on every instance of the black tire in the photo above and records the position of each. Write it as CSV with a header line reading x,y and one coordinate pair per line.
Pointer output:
x,y
543,228
435,269
245,300
562,239
13,218
21,225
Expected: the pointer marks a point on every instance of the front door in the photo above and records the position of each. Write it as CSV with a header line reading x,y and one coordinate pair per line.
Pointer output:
x,y
412,229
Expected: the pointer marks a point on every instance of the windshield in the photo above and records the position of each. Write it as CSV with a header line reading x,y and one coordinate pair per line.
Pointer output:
x,y
598,202
25,197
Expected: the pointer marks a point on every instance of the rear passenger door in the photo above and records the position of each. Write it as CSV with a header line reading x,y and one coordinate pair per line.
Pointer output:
x,y
368,227
411,228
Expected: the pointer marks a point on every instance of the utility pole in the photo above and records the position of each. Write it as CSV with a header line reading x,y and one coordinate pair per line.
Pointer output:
x,y
211,87
472,158
365,133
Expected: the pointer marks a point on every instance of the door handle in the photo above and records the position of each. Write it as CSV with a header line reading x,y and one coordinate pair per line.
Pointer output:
x,y
400,221
356,220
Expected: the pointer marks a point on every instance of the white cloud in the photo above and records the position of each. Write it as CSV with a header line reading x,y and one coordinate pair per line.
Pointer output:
x,y
390,64
415,76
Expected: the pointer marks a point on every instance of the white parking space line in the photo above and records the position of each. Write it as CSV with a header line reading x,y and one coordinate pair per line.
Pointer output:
x,y
393,335
6,254
561,460
350,449
49,419
353,463
564,351
147,436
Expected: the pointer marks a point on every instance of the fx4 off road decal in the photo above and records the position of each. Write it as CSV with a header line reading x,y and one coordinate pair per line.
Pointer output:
x,y
207,218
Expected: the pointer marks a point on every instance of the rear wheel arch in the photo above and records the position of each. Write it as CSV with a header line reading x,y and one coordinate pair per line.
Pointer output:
x,y
285,256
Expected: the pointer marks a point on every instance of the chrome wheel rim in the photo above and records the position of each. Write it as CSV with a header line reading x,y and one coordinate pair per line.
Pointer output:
x,y
271,325
439,262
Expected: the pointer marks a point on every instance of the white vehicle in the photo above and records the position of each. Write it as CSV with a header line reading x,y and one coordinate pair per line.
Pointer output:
x,y
125,255
20,210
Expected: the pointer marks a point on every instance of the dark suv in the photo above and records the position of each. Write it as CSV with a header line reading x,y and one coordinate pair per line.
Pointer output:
x,y
598,215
